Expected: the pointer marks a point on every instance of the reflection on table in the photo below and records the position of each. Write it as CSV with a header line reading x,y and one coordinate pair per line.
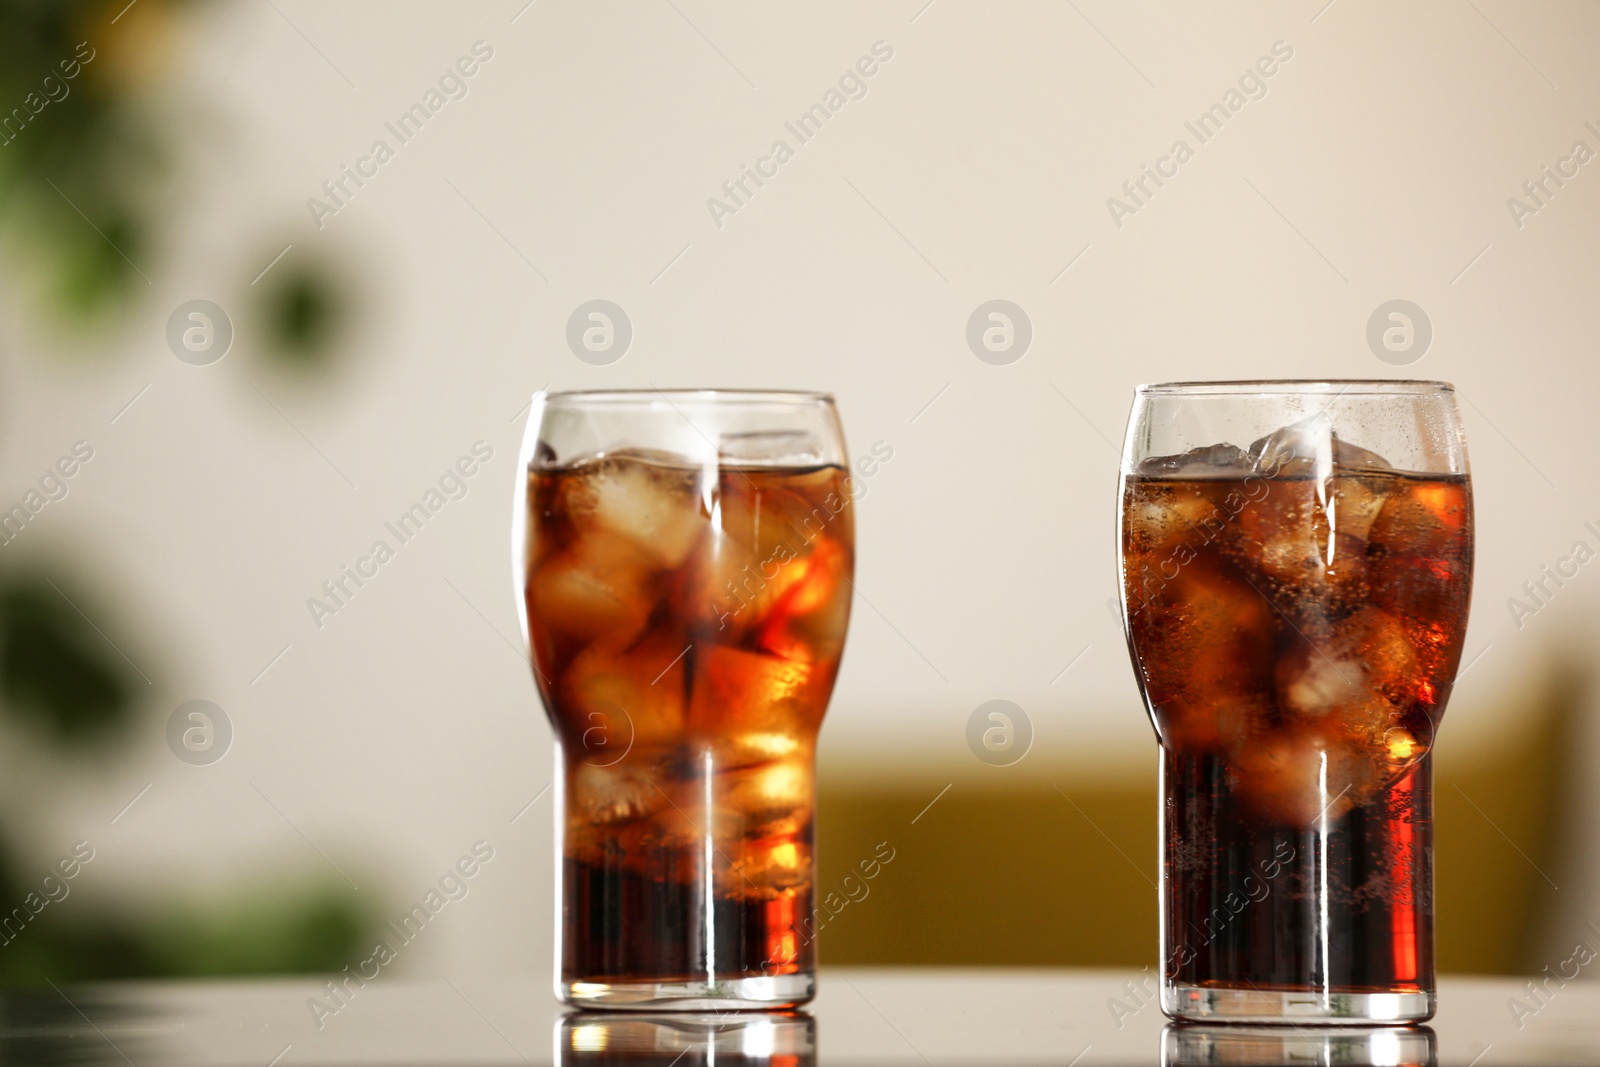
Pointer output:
x,y
688,1039
1325,1046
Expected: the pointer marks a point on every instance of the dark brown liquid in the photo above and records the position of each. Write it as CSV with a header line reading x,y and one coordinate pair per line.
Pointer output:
x,y
1247,910
619,926
686,629
1296,644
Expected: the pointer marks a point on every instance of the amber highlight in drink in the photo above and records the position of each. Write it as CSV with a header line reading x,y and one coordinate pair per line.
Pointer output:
x,y
686,624
1296,616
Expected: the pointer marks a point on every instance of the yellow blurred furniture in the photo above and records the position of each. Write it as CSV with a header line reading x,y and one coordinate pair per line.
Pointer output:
x,y
1013,871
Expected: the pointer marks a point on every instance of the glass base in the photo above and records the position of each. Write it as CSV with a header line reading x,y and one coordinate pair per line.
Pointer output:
x,y
1222,1004
737,994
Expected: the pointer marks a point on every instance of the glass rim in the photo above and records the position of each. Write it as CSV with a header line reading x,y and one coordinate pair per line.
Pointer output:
x,y
1306,386
624,397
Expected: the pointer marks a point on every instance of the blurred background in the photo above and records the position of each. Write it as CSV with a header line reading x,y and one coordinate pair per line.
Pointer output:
x,y
270,267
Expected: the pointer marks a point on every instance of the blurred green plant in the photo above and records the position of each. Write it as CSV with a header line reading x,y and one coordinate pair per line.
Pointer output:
x,y
85,161
305,311
276,928
53,670
80,160
87,156
63,681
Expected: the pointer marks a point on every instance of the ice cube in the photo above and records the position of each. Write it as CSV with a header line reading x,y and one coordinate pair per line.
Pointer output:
x,y
1422,566
772,523
669,845
1354,504
739,692
1280,534
738,751
1213,678
617,794
769,867
1366,692
1351,458
808,622
1310,537
1356,681
1295,778
1160,517
778,789
723,579
1312,685
613,697
771,448
1208,461
1301,448
768,562
753,554
650,499
600,585
1311,448
1424,519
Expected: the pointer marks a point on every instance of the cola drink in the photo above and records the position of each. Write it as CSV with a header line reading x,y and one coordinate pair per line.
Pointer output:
x,y
1295,613
686,623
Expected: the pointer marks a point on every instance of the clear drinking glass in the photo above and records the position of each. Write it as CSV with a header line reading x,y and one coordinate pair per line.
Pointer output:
x,y
1296,566
686,559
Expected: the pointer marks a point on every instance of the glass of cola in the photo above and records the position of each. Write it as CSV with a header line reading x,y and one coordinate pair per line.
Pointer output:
x,y
1296,563
685,559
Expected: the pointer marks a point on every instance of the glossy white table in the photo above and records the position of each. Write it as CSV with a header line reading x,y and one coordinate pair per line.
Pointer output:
x,y
862,1016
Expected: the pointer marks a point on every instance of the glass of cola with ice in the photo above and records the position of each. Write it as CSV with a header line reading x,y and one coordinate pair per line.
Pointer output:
x,y
686,561
1296,564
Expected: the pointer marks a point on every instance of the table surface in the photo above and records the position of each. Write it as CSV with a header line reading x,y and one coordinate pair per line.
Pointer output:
x,y
861,1016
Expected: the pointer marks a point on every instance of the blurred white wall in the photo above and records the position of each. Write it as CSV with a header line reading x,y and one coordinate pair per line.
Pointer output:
x,y
977,166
